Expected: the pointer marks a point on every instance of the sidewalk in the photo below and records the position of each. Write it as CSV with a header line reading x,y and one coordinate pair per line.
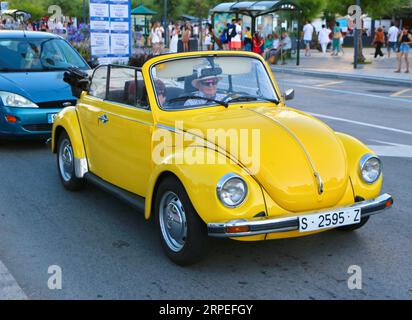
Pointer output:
x,y
380,71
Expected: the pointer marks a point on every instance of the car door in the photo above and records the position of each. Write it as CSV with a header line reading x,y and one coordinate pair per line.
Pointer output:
x,y
120,148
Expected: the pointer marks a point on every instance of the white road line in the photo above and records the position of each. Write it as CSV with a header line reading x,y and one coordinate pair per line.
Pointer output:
x,y
9,288
353,93
329,83
361,123
400,93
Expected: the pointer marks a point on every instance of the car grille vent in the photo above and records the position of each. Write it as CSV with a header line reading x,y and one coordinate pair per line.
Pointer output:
x,y
56,104
38,127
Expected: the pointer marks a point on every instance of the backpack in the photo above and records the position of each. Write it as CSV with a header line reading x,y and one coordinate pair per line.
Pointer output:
x,y
232,31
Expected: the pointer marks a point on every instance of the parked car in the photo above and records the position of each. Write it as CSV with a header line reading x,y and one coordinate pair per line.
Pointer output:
x,y
32,90
204,144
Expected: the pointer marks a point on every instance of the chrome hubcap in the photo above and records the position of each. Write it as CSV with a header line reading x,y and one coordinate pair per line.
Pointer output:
x,y
173,221
66,160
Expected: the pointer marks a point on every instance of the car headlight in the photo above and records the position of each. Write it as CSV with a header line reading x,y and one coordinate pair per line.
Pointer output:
x,y
10,99
231,190
370,168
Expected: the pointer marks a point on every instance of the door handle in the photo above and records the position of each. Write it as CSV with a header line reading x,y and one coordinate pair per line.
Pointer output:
x,y
103,119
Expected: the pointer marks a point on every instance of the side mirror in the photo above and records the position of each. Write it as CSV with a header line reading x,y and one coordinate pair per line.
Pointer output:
x,y
289,94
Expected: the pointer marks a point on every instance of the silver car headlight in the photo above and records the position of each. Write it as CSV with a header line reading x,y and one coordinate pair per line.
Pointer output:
x,y
10,99
370,168
231,190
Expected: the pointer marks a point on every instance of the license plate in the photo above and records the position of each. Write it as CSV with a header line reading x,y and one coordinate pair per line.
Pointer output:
x,y
330,219
51,117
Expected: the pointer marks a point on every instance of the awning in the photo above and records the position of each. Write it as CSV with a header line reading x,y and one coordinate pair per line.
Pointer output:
x,y
143,11
254,8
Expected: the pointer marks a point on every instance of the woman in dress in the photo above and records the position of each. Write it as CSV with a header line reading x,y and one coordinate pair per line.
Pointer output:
x,y
174,38
185,38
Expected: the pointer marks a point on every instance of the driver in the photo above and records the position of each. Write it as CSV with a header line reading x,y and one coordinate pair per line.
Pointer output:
x,y
206,84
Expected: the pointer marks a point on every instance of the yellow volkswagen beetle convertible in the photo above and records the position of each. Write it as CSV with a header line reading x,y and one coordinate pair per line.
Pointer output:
x,y
204,144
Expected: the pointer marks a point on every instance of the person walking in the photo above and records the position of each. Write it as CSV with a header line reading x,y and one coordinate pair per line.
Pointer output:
x,y
337,34
405,39
307,37
378,42
393,34
174,40
324,39
247,40
155,38
185,38
237,39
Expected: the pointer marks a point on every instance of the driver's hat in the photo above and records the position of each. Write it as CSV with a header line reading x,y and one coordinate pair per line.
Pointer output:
x,y
206,73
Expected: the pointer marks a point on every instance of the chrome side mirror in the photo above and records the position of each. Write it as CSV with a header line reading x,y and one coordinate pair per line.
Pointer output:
x,y
289,94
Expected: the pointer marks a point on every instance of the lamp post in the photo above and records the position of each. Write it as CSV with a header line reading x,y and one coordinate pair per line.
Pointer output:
x,y
356,40
84,11
165,22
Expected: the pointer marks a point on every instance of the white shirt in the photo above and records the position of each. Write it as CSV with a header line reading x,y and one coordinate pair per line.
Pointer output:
x,y
324,35
238,36
276,44
393,34
308,32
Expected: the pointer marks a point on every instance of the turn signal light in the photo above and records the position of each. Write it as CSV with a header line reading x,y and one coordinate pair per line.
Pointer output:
x,y
237,229
11,119
389,203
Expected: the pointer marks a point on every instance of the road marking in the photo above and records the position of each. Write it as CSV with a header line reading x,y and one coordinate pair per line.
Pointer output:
x,y
9,288
401,92
353,93
329,83
361,123
390,149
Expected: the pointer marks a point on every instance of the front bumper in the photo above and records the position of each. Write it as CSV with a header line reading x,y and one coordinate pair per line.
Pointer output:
x,y
31,122
266,225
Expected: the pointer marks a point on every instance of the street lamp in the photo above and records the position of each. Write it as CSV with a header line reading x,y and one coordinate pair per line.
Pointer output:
x,y
356,40
84,11
165,22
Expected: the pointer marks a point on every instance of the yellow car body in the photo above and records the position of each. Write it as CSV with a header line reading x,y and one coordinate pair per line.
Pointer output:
x,y
305,166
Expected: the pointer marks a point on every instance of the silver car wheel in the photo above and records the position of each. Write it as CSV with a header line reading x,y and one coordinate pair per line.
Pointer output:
x,y
172,219
66,160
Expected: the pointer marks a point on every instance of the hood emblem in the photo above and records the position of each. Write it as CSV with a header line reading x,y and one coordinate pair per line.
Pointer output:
x,y
319,182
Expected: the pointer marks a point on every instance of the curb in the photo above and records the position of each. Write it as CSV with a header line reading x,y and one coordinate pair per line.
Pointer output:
x,y
342,76
9,288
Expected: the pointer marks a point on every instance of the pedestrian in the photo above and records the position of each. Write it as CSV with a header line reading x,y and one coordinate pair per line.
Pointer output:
x,y
155,38
247,39
324,40
208,38
307,37
223,38
196,31
236,42
174,40
378,42
393,34
257,43
405,39
231,32
185,38
337,34
268,45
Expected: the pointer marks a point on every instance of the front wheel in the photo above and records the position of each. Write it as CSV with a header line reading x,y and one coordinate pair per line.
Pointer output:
x,y
182,233
65,164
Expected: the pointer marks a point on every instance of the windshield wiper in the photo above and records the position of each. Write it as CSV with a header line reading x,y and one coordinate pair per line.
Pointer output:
x,y
184,98
253,98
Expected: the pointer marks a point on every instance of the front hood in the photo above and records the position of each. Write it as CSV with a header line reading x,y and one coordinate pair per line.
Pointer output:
x,y
293,147
37,86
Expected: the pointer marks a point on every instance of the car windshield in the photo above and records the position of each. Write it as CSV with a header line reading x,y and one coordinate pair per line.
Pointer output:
x,y
38,55
196,82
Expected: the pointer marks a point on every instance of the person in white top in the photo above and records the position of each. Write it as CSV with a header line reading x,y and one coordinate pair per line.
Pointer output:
x,y
156,38
174,40
393,33
307,37
237,39
323,37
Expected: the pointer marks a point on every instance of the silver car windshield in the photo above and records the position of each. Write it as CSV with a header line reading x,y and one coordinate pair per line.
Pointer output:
x,y
197,82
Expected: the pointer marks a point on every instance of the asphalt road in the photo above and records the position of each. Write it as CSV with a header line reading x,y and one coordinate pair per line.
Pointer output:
x,y
108,251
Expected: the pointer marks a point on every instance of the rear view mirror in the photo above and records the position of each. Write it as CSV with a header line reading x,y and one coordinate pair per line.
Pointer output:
x,y
289,94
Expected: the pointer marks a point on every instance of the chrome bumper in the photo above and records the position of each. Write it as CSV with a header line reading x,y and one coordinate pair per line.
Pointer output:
x,y
265,225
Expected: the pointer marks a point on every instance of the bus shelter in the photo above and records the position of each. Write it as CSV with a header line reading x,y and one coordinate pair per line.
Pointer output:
x,y
255,9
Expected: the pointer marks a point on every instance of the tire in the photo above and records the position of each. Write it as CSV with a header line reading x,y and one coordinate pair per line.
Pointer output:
x,y
354,227
65,164
184,239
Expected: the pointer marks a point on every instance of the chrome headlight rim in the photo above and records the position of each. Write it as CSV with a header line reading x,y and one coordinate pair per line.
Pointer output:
x,y
4,95
222,181
363,161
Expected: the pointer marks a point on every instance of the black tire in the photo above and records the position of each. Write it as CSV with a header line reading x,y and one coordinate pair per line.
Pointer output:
x,y
68,176
195,244
354,227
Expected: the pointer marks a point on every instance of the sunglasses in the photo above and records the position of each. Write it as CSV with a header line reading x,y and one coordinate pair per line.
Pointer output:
x,y
207,83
